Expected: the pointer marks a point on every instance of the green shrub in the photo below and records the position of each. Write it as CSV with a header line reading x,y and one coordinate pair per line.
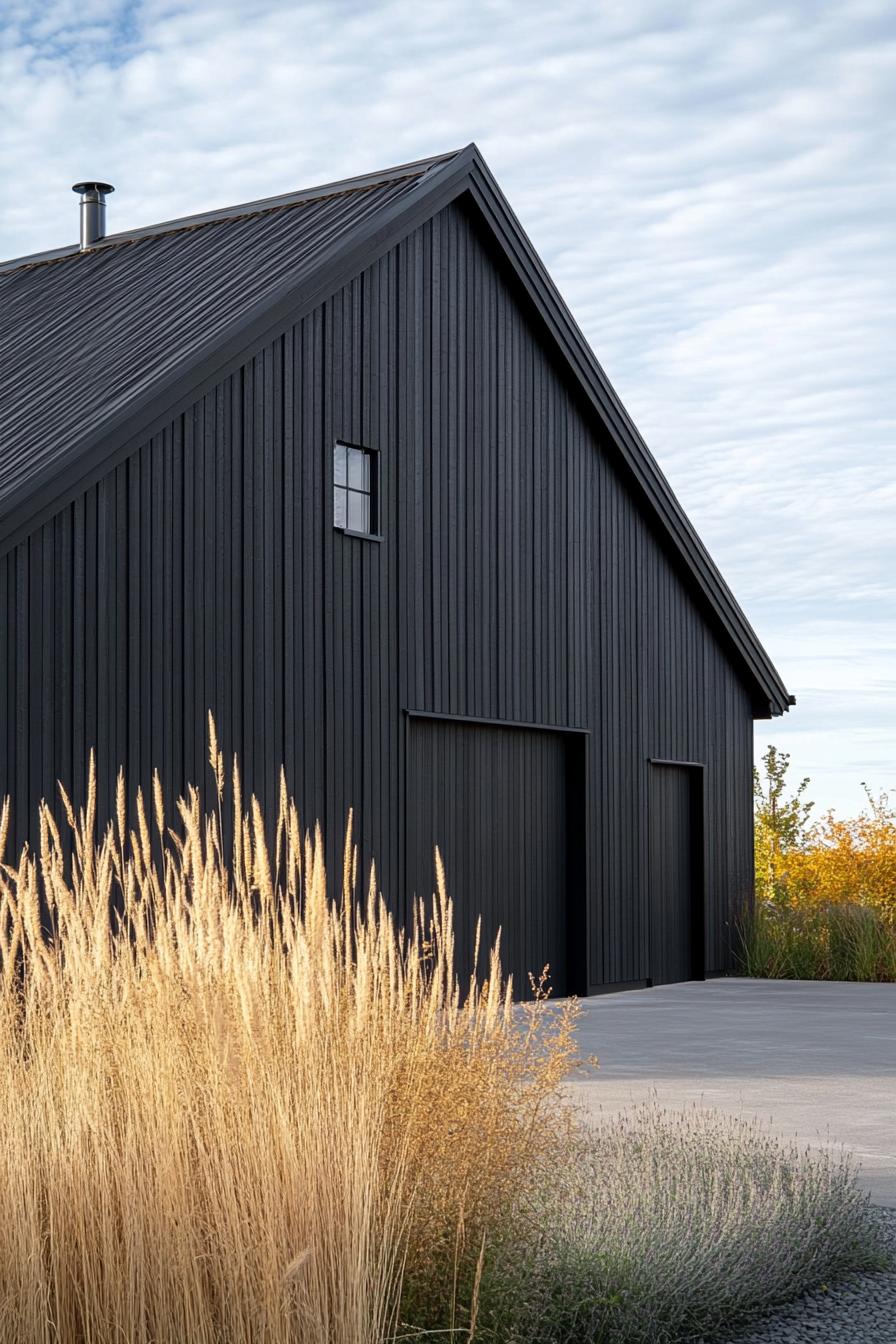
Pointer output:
x,y
817,942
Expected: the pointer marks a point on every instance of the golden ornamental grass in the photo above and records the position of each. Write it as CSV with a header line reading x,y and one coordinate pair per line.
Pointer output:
x,y
237,1108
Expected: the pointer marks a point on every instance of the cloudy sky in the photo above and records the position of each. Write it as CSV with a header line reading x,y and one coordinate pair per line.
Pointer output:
x,y
713,186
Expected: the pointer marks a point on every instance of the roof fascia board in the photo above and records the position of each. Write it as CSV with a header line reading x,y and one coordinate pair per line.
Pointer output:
x,y
641,466
121,433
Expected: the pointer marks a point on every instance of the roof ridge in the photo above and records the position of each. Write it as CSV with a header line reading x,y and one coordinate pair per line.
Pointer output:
x,y
265,205
117,241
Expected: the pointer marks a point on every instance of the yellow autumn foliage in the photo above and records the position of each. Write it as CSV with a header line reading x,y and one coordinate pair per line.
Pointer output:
x,y
846,861
825,904
832,862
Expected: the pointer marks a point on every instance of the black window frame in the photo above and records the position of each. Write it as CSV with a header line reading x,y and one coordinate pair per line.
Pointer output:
x,y
371,495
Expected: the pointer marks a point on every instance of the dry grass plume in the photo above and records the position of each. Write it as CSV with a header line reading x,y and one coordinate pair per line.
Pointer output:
x,y
238,1107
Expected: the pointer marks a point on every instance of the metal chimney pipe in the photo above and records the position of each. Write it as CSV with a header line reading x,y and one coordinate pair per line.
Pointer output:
x,y
93,211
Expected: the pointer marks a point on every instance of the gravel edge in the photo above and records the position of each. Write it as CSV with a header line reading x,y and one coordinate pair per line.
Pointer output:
x,y
859,1309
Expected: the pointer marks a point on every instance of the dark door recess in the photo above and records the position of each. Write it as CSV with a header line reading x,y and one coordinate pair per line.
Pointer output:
x,y
501,803
676,873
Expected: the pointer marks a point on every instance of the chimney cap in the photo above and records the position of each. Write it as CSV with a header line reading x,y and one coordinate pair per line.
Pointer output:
x,y
92,211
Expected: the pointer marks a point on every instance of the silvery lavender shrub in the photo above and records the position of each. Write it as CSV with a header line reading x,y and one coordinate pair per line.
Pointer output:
x,y
666,1226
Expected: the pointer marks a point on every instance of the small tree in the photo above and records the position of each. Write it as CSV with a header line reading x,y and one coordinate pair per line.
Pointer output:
x,y
781,823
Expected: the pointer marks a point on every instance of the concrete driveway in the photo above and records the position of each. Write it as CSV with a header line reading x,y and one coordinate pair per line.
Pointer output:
x,y
815,1060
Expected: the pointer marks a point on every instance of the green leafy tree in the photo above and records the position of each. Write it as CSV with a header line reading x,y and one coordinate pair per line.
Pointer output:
x,y
781,823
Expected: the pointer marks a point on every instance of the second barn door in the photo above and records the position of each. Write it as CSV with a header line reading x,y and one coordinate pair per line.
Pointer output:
x,y
676,884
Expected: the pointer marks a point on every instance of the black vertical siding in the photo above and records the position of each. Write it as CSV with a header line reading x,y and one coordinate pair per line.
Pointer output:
x,y
516,579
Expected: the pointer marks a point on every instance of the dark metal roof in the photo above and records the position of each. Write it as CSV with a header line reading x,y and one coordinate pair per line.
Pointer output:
x,y
84,333
96,346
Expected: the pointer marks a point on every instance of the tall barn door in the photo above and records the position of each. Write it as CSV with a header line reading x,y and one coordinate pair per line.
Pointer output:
x,y
676,873
495,801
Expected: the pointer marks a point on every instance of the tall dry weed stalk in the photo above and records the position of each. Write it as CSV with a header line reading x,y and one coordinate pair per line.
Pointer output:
x,y
238,1109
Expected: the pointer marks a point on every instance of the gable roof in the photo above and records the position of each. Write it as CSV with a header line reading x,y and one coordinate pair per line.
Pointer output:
x,y
98,347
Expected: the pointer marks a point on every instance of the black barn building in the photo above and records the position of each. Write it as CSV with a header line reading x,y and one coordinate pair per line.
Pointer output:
x,y
340,467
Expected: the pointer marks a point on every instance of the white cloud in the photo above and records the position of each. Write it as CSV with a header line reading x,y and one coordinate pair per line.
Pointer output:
x,y
711,185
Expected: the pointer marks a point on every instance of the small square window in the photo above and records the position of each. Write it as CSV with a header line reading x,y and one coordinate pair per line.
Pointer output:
x,y
355,489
